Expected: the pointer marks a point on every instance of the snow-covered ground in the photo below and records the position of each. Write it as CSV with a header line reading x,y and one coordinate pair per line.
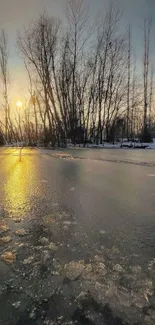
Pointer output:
x,y
117,145
126,145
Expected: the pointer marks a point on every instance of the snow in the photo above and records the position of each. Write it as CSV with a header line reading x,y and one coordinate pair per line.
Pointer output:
x,y
151,145
92,146
124,145
106,145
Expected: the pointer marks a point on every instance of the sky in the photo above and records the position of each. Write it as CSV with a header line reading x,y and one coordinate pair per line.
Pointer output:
x,y
14,14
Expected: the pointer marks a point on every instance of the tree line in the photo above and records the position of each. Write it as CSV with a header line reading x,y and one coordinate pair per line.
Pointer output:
x,y
84,84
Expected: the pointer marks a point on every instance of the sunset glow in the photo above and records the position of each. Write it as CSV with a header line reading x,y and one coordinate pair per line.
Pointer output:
x,y
19,104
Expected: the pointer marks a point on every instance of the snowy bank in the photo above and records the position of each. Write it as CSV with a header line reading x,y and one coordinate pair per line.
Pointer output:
x,y
118,145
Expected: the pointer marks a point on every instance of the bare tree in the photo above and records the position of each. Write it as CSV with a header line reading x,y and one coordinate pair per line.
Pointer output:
x,y
147,33
38,46
151,97
129,81
4,76
108,48
83,87
78,36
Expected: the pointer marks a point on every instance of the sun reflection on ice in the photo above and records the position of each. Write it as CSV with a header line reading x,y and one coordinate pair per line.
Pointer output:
x,y
17,185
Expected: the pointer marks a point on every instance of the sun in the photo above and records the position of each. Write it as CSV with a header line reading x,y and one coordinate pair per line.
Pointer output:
x,y
19,104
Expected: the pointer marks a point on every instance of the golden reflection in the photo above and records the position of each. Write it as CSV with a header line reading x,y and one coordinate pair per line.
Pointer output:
x,y
17,184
